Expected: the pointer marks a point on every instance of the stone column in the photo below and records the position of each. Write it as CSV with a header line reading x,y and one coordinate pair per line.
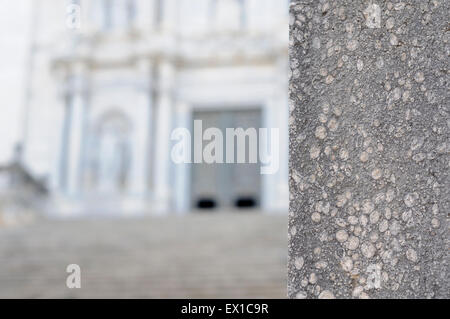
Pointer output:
x,y
60,164
145,11
63,112
162,138
169,15
269,181
181,194
369,149
283,117
76,130
275,195
142,130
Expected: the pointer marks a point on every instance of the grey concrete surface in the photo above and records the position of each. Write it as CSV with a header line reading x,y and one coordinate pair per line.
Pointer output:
x,y
224,255
369,149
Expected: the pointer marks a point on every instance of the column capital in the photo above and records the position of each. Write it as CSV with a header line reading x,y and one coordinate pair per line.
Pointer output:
x,y
144,66
166,75
78,78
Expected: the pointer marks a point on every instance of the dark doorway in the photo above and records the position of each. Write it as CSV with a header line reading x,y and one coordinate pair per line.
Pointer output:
x,y
229,186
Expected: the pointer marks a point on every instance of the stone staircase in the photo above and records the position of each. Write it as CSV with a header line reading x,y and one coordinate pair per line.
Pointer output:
x,y
220,255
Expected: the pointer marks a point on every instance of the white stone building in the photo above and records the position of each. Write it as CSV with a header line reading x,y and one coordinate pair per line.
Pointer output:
x,y
111,79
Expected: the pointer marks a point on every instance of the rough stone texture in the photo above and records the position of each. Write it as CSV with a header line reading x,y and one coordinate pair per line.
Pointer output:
x,y
369,154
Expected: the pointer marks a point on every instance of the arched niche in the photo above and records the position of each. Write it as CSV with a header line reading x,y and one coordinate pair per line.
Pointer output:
x,y
109,153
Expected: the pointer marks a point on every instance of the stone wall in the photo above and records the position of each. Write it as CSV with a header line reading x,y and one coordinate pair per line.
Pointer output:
x,y
369,149
21,195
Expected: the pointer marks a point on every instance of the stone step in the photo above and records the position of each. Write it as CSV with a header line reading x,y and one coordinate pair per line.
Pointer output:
x,y
195,256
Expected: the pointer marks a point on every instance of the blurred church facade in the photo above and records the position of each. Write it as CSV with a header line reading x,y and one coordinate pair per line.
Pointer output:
x,y
108,85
